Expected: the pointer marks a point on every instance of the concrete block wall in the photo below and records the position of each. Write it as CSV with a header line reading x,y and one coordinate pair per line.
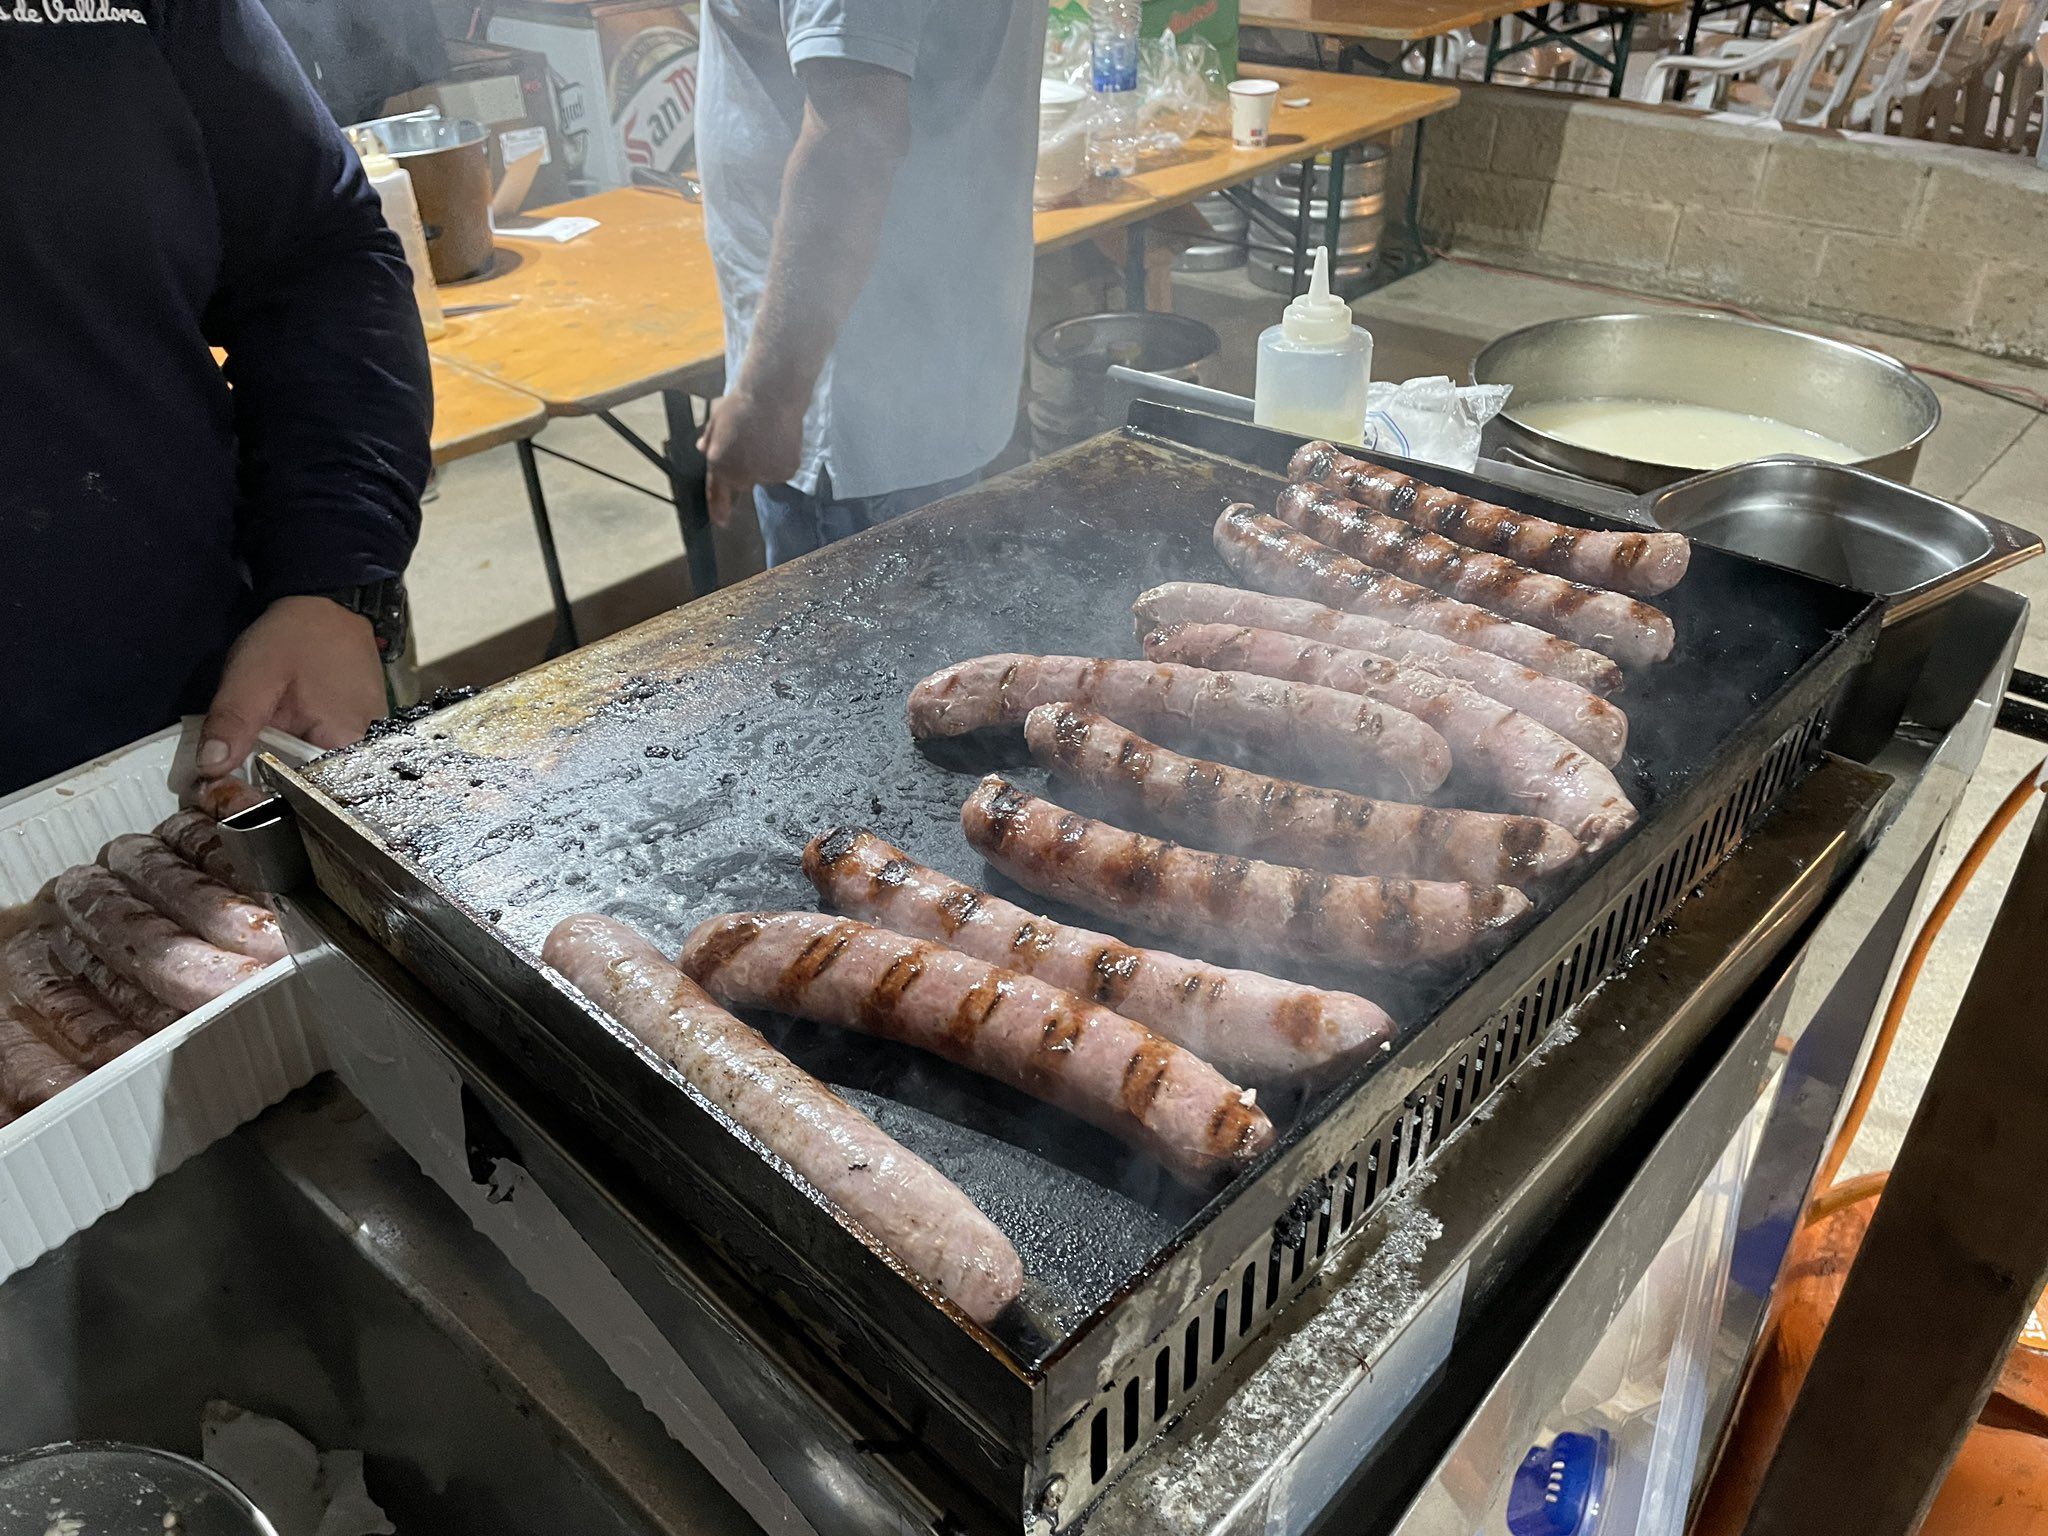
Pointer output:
x,y
1899,236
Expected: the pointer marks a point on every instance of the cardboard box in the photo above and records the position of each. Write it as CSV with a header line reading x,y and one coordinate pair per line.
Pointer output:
x,y
625,77
508,91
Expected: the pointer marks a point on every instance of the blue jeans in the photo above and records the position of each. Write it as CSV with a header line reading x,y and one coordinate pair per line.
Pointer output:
x,y
793,523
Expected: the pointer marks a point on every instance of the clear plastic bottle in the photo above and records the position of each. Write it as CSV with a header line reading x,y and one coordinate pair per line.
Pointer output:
x,y
1113,138
1314,365
402,213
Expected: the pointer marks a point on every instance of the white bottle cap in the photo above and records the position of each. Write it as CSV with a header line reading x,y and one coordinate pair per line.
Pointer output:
x,y
1319,318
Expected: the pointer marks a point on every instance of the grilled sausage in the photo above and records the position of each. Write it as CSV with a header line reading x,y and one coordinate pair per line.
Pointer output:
x,y
1061,1048
1281,559
1236,904
1641,563
80,1021
1354,744
907,1205
143,945
194,901
1632,632
1580,717
1248,1026
31,1069
1232,811
223,797
126,998
194,837
1535,770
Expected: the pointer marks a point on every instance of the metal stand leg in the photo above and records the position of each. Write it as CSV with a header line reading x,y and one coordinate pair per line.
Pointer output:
x,y
1333,208
1301,223
1624,30
564,638
1134,268
1493,51
1955,1258
686,484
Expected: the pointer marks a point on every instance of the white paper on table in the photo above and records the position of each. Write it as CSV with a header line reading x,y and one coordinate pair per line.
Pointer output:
x,y
561,229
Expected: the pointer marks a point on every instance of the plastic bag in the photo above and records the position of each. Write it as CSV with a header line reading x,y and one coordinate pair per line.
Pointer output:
x,y
1181,89
1431,419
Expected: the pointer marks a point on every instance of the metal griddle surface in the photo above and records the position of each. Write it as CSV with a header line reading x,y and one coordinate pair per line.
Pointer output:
x,y
675,771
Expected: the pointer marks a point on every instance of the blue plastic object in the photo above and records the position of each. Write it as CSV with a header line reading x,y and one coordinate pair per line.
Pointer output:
x,y
1558,1487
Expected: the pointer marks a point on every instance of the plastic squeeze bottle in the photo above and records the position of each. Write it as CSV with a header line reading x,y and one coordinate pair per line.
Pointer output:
x,y
1314,365
402,213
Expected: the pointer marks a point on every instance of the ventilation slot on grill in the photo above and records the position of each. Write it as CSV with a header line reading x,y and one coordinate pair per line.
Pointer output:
x,y
1272,1273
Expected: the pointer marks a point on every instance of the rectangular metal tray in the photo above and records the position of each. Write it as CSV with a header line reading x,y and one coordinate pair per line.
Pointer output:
x,y
675,771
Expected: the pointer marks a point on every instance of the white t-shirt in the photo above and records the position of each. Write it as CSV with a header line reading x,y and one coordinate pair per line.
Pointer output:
x,y
923,383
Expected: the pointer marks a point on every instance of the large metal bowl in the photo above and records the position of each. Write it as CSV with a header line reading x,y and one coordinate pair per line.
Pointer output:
x,y
1862,398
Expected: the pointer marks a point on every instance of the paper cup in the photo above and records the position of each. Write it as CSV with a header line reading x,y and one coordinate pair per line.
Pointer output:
x,y
1251,111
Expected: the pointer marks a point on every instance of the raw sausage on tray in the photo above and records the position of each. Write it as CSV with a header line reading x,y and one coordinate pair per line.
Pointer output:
x,y
1242,905
194,837
1641,563
1108,1069
31,1069
1280,558
1231,810
79,1019
218,913
1535,770
143,945
911,1208
1632,632
1348,741
1584,718
1248,1026
128,1000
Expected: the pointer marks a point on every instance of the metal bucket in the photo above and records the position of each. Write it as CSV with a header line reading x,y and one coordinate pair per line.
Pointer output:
x,y
451,178
1858,397
1362,214
121,1490
1070,362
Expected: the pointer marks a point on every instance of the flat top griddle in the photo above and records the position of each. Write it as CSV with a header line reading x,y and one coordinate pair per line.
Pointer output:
x,y
676,770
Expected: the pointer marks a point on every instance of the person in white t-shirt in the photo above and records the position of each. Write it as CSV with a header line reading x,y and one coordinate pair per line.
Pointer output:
x,y
867,198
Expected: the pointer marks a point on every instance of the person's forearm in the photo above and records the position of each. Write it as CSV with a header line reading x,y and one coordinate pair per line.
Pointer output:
x,y
835,197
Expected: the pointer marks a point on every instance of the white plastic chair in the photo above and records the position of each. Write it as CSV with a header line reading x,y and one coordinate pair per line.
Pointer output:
x,y
1819,95
1710,74
1918,58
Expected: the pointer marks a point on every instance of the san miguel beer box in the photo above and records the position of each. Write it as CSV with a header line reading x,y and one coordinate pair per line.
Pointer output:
x,y
625,79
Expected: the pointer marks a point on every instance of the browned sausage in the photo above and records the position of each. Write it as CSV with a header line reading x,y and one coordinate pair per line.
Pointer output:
x,y
1250,1027
1061,1048
218,913
1534,770
1278,558
224,796
1642,563
909,1207
31,1069
142,944
1337,737
1632,632
1580,717
1230,810
80,1021
1240,905
128,1000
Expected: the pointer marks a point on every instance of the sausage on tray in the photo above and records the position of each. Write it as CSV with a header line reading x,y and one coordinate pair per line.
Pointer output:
x,y
1641,563
1535,770
908,1206
31,1069
1231,810
1631,631
1098,1065
128,1000
1242,905
197,902
1580,717
194,837
81,1021
1248,1026
224,796
140,943
1351,742
1279,558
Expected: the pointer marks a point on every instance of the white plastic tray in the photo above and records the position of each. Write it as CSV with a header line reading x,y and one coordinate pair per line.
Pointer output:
x,y
69,1161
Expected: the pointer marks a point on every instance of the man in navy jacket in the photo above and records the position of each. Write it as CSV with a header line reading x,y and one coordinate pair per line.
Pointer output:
x,y
175,535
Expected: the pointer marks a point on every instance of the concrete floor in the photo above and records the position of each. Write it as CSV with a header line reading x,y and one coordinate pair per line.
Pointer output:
x,y
481,603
